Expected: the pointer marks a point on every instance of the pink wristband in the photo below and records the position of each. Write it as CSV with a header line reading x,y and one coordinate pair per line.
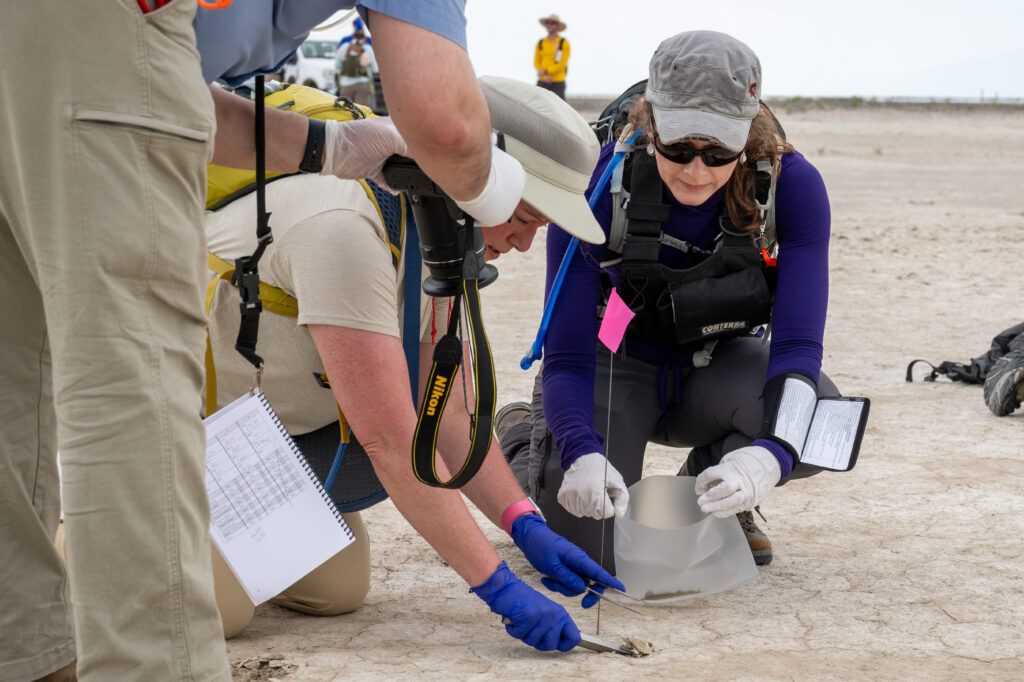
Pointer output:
x,y
514,511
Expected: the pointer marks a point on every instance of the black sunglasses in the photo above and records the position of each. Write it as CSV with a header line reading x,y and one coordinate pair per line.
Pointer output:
x,y
684,153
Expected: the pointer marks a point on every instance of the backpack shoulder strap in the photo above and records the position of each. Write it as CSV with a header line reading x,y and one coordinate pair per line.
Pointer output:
x,y
765,184
620,198
393,214
764,190
617,185
956,371
645,212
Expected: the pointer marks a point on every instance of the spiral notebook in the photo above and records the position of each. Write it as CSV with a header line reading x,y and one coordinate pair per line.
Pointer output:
x,y
269,516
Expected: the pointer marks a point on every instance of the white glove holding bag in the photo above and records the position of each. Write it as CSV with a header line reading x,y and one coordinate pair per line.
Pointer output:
x,y
738,483
354,150
584,492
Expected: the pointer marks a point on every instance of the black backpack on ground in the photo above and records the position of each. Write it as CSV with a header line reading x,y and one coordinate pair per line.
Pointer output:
x,y
1001,370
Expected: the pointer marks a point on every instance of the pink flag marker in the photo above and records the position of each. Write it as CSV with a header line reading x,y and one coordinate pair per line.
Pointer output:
x,y
616,318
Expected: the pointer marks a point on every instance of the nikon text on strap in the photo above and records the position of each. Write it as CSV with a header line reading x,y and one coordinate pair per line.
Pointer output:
x,y
447,359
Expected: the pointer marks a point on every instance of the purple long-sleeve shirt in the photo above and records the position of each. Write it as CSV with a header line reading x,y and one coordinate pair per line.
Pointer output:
x,y
802,222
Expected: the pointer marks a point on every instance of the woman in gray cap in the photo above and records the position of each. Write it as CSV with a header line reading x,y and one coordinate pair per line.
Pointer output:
x,y
713,191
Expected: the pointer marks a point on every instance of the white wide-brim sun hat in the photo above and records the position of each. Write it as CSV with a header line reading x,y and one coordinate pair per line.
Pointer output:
x,y
555,145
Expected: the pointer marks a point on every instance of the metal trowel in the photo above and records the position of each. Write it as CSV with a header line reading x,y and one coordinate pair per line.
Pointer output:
x,y
594,643
601,645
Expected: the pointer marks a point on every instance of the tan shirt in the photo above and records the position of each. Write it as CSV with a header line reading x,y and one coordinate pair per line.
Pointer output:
x,y
331,252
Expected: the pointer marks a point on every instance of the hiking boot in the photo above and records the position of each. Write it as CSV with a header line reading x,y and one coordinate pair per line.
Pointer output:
x,y
1004,384
510,415
760,545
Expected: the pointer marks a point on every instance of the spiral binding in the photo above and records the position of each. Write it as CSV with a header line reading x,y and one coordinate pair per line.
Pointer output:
x,y
305,464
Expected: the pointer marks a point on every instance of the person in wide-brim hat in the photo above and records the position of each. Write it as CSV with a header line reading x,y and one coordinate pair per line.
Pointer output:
x,y
359,300
553,19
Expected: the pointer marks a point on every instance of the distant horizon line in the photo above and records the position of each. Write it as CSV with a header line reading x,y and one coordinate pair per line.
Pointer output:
x,y
867,99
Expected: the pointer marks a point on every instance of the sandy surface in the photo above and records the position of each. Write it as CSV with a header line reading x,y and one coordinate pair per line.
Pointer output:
x,y
910,566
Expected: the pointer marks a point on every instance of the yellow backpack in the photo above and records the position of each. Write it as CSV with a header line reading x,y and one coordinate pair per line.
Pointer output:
x,y
224,185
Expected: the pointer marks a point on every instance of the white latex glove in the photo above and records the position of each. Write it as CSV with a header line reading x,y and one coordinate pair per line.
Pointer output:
x,y
357,149
584,493
739,482
500,196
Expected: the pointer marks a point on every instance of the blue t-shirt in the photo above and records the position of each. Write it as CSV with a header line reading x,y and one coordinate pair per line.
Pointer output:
x,y
257,36
803,221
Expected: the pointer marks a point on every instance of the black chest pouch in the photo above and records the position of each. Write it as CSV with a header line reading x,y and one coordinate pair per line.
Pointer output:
x,y
729,293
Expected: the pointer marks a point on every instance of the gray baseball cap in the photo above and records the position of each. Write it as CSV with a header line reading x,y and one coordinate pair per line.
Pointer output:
x,y
706,84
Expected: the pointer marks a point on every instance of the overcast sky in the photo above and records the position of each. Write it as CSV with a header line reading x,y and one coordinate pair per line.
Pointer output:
x,y
868,48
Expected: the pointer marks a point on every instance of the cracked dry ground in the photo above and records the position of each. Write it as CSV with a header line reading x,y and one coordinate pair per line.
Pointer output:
x,y
908,567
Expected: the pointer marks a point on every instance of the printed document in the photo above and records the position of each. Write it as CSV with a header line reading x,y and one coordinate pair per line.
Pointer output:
x,y
269,516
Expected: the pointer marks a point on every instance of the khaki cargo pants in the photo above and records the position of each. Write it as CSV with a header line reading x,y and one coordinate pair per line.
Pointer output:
x,y
105,129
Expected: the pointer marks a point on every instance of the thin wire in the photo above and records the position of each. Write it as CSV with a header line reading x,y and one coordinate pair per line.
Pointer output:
x,y
345,18
604,597
607,451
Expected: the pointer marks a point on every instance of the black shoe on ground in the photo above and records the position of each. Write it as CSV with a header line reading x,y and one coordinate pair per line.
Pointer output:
x,y
1004,384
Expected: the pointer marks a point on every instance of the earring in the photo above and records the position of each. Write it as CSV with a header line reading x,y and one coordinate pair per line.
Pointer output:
x,y
650,149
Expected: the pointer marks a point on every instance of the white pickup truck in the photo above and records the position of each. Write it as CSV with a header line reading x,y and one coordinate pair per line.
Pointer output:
x,y
312,65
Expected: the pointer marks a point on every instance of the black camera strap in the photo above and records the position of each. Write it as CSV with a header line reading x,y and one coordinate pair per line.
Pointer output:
x,y
452,248
447,359
247,276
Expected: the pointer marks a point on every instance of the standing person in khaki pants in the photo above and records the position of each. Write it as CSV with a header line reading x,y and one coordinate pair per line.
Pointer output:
x,y
103,147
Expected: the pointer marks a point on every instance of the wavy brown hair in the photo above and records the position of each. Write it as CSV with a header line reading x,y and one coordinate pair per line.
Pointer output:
x,y
763,142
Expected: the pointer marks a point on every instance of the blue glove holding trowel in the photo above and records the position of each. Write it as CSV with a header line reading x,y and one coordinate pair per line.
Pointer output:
x,y
528,615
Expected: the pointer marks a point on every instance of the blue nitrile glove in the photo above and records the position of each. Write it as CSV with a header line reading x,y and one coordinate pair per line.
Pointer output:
x,y
567,568
534,618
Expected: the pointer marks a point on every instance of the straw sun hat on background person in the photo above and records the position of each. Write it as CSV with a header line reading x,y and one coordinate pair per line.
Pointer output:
x,y
553,18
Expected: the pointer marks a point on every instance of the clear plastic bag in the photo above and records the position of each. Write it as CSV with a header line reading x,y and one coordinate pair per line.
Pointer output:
x,y
667,549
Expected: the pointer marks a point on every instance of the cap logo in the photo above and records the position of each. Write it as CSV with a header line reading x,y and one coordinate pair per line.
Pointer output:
x,y
752,90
